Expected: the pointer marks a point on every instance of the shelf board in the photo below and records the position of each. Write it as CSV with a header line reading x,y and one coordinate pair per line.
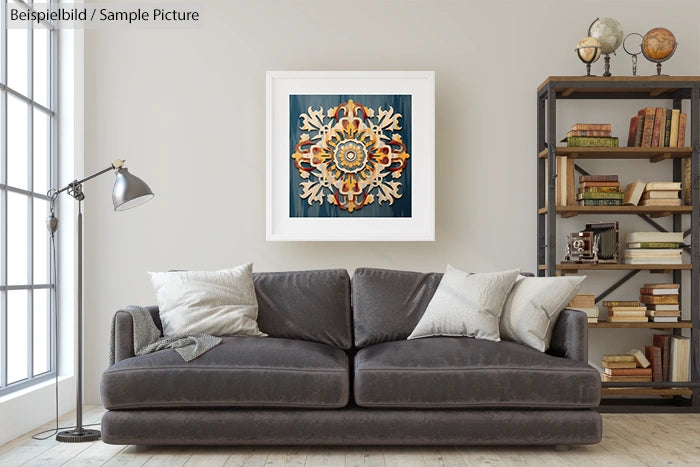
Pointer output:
x,y
653,211
617,267
648,325
646,392
652,154
625,86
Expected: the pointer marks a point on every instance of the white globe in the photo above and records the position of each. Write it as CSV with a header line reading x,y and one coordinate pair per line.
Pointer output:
x,y
609,32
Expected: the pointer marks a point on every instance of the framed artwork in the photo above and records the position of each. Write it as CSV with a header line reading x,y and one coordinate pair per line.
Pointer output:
x,y
350,156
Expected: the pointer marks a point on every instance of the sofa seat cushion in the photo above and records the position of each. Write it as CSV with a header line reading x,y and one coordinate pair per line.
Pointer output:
x,y
240,372
458,372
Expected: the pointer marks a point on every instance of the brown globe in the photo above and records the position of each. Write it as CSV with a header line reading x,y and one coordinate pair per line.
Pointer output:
x,y
658,44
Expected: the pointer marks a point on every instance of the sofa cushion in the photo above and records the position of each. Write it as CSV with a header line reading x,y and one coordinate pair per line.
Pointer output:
x,y
387,305
458,372
306,305
240,372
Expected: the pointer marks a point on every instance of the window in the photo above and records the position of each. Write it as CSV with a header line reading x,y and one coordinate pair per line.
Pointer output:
x,y
27,171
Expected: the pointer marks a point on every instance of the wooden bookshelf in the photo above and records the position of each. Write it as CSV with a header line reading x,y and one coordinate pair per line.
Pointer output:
x,y
653,211
651,154
648,325
647,391
631,87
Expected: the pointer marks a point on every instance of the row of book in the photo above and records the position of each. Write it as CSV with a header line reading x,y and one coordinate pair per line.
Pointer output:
x,y
668,359
639,193
591,135
655,127
653,248
657,303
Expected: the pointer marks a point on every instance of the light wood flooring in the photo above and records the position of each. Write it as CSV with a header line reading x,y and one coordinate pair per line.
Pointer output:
x,y
671,439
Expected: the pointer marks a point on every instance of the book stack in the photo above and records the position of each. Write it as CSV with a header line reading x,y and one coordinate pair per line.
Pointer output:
x,y
661,194
661,301
591,135
585,303
653,248
657,127
599,190
630,367
626,312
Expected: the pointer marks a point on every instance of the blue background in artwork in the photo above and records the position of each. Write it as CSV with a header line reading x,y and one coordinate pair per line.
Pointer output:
x,y
299,104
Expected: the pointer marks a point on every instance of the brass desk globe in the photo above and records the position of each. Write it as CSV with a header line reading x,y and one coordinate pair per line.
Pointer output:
x,y
588,51
658,45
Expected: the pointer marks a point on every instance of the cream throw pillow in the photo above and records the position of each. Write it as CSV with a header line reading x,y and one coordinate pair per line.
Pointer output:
x,y
533,307
466,304
220,303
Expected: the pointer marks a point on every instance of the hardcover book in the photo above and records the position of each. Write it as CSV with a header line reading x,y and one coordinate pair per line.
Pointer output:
x,y
661,194
676,237
650,291
648,131
599,189
675,119
610,303
623,379
639,356
607,133
664,285
681,130
634,122
653,354
633,193
632,364
659,120
653,245
640,129
667,129
599,178
592,126
659,299
600,202
680,359
628,371
660,202
663,341
599,195
591,141
619,358
674,186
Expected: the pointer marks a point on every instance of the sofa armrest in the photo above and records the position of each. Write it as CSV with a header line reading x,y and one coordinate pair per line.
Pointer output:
x,y
124,333
570,336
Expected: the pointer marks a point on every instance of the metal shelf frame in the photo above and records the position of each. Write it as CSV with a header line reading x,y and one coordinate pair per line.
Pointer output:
x,y
658,87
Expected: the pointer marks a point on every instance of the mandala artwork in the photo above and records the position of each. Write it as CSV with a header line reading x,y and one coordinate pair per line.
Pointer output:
x,y
350,156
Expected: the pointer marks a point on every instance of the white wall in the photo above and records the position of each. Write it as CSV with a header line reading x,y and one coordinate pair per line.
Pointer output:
x,y
186,108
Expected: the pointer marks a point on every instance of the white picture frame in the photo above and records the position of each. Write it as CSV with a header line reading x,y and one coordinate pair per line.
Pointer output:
x,y
419,225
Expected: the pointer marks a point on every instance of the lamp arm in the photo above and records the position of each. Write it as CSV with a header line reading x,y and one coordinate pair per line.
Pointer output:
x,y
118,163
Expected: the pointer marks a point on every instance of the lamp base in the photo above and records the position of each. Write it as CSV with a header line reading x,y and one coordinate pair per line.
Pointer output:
x,y
78,436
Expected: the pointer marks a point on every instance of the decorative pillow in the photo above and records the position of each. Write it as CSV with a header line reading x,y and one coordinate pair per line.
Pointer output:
x,y
466,304
533,307
220,303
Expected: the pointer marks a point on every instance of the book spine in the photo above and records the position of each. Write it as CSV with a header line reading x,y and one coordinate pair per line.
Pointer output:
x,y
659,299
599,189
592,126
634,121
645,291
640,129
653,354
592,141
610,303
659,118
675,116
590,184
667,129
589,133
654,245
648,126
600,195
597,178
600,202
681,130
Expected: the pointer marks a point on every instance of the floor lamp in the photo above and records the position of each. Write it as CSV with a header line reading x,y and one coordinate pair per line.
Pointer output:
x,y
129,191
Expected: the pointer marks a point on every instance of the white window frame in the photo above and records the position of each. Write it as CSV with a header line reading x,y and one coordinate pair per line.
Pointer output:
x,y
51,112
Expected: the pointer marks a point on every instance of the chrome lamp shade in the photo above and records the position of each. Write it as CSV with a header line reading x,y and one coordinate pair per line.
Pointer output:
x,y
129,191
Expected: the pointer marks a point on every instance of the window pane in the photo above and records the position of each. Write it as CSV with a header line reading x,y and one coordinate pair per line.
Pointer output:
x,y
41,242
42,331
16,335
41,152
41,66
17,59
17,150
17,238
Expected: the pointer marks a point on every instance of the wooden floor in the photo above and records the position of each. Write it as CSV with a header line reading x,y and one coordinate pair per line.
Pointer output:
x,y
627,440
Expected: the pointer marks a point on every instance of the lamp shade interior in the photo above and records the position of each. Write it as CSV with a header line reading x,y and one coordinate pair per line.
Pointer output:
x,y
129,191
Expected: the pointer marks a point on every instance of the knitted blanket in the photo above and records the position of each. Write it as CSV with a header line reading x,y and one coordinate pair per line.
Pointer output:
x,y
147,338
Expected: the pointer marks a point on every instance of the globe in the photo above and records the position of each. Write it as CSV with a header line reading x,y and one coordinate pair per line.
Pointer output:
x,y
609,32
588,49
658,44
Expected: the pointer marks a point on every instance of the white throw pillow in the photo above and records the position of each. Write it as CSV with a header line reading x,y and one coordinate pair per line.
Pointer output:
x,y
533,307
466,304
220,303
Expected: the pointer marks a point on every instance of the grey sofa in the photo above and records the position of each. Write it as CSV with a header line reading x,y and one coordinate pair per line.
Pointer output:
x,y
337,369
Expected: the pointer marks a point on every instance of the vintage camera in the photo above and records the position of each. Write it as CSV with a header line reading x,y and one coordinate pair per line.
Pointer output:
x,y
598,243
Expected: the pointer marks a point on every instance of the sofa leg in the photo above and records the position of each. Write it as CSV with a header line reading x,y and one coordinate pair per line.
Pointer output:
x,y
561,447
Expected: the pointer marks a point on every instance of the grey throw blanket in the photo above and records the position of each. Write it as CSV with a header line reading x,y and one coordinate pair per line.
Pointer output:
x,y
147,337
